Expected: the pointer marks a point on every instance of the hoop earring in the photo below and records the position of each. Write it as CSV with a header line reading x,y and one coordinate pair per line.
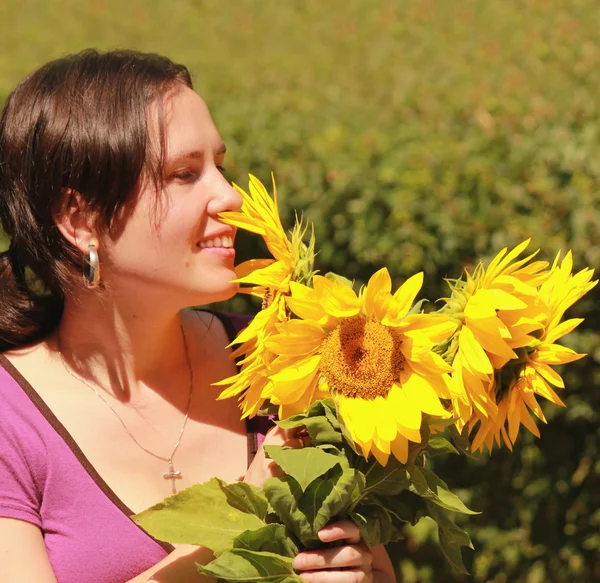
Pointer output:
x,y
91,269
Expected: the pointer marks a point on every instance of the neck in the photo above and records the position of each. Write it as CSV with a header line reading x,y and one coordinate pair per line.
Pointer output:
x,y
124,346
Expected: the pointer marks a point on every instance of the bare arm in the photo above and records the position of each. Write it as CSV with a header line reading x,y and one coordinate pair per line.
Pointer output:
x,y
23,559
178,567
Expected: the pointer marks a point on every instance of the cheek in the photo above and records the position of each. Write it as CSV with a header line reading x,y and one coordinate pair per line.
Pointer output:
x,y
157,238
176,226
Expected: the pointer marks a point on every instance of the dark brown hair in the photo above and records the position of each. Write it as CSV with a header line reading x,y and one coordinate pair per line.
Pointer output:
x,y
79,123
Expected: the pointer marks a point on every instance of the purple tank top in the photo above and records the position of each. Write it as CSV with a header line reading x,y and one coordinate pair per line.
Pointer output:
x,y
46,480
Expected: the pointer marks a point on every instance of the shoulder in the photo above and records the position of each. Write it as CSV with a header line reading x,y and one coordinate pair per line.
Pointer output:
x,y
21,422
23,450
236,322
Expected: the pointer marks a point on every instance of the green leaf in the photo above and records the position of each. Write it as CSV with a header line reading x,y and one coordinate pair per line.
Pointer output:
x,y
271,538
320,421
461,440
427,485
245,497
340,279
440,446
434,420
404,508
304,465
251,566
376,525
451,537
283,495
386,480
268,410
451,542
199,515
305,513
319,428
327,498
418,307
319,408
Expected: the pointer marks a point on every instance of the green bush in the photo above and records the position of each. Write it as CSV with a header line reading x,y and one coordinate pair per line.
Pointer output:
x,y
420,136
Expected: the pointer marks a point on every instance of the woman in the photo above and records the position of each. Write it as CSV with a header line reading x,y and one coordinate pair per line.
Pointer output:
x,y
110,188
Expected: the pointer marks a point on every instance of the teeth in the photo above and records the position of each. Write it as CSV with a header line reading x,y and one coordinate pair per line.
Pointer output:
x,y
224,241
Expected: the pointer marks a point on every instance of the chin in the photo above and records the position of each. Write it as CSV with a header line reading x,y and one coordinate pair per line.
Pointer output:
x,y
217,294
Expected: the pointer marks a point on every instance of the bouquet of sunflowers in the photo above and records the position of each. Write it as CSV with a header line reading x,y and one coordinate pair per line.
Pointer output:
x,y
380,386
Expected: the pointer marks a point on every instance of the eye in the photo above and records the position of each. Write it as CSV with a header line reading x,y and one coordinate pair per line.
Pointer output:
x,y
185,175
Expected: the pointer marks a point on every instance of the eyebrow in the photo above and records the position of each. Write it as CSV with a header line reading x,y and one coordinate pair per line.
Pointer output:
x,y
197,154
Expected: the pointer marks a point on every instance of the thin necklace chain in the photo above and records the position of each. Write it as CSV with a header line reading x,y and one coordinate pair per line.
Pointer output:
x,y
172,474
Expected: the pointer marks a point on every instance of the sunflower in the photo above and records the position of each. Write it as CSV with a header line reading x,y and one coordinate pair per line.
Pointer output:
x,y
496,313
269,280
516,384
368,353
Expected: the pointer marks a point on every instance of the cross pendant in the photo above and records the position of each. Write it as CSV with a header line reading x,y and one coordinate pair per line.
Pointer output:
x,y
172,475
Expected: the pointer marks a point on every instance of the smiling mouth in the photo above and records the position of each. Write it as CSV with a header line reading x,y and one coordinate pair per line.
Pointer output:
x,y
222,242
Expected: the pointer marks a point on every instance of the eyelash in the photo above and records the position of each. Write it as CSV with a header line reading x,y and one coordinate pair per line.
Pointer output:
x,y
186,175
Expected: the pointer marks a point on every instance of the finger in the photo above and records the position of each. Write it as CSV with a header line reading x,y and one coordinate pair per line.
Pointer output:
x,y
346,556
296,437
276,436
346,576
342,530
298,442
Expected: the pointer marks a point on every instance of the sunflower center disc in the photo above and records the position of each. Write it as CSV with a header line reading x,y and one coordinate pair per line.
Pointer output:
x,y
361,358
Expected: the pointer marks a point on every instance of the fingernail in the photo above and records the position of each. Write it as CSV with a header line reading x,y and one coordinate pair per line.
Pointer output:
x,y
324,534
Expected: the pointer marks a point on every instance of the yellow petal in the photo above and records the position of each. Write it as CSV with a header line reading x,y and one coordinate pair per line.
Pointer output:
x,y
359,415
377,294
473,352
386,423
556,354
273,275
337,299
406,412
293,380
243,222
305,303
399,448
381,456
248,267
434,327
562,329
418,390
549,374
406,294
296,338
488,337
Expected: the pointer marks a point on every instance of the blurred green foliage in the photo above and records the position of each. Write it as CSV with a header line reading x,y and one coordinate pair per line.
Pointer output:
x,y
419,135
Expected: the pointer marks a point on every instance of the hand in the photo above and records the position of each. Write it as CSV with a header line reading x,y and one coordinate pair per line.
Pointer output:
x,y
262,467
350,563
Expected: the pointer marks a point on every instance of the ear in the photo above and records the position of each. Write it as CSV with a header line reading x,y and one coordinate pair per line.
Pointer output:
x,y
75,221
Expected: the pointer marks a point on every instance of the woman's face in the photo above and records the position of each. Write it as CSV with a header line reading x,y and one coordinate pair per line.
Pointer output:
x,y
173,248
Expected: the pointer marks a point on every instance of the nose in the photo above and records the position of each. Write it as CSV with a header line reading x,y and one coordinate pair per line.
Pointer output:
x,y
224,197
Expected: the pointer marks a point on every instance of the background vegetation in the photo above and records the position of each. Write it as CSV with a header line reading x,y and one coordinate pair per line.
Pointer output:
x,y
418,135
